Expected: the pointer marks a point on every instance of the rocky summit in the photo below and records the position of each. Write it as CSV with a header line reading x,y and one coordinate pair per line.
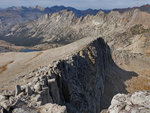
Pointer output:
x,y
74,84
88,61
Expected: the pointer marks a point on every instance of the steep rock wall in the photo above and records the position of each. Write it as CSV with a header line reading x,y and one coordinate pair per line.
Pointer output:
x,y
74,84
81,77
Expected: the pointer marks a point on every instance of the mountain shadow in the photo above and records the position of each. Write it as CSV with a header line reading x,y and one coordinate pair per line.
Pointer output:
x,y
115,79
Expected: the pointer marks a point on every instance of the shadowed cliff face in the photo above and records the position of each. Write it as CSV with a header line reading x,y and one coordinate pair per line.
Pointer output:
x,y
81,77
84,82
90,78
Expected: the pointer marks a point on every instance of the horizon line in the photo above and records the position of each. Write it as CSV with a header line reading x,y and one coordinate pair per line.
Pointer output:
x,y
74,7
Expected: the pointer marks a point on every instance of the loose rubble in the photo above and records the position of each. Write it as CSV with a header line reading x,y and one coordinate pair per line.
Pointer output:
x,y
138,102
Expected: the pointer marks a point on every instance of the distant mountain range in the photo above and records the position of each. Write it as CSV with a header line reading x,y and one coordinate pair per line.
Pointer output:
x,y
23,10
64,27
77,12
16,15
145,8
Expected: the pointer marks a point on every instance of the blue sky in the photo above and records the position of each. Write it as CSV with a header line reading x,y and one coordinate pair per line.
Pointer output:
x,y
79,4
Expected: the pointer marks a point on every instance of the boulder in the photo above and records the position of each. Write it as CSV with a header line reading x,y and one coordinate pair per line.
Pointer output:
x,y
45,96
37,87
5,104
18,90
35,80
21,110
37,98
138,102
2,110
141,98
29,91
52,84
53,108
44,80
2,98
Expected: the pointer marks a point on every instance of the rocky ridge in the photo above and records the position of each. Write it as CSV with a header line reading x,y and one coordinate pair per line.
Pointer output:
x,y
64,27
76,82
128,36
81,82
126,33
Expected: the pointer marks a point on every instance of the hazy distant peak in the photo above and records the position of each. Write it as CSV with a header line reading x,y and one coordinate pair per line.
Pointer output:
x,y
101,13
38,7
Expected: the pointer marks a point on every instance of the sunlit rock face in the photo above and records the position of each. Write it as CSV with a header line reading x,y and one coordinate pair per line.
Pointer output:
x,y
138,102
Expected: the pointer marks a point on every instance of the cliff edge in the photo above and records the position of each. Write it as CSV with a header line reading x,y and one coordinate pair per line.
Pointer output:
x,y
81,82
